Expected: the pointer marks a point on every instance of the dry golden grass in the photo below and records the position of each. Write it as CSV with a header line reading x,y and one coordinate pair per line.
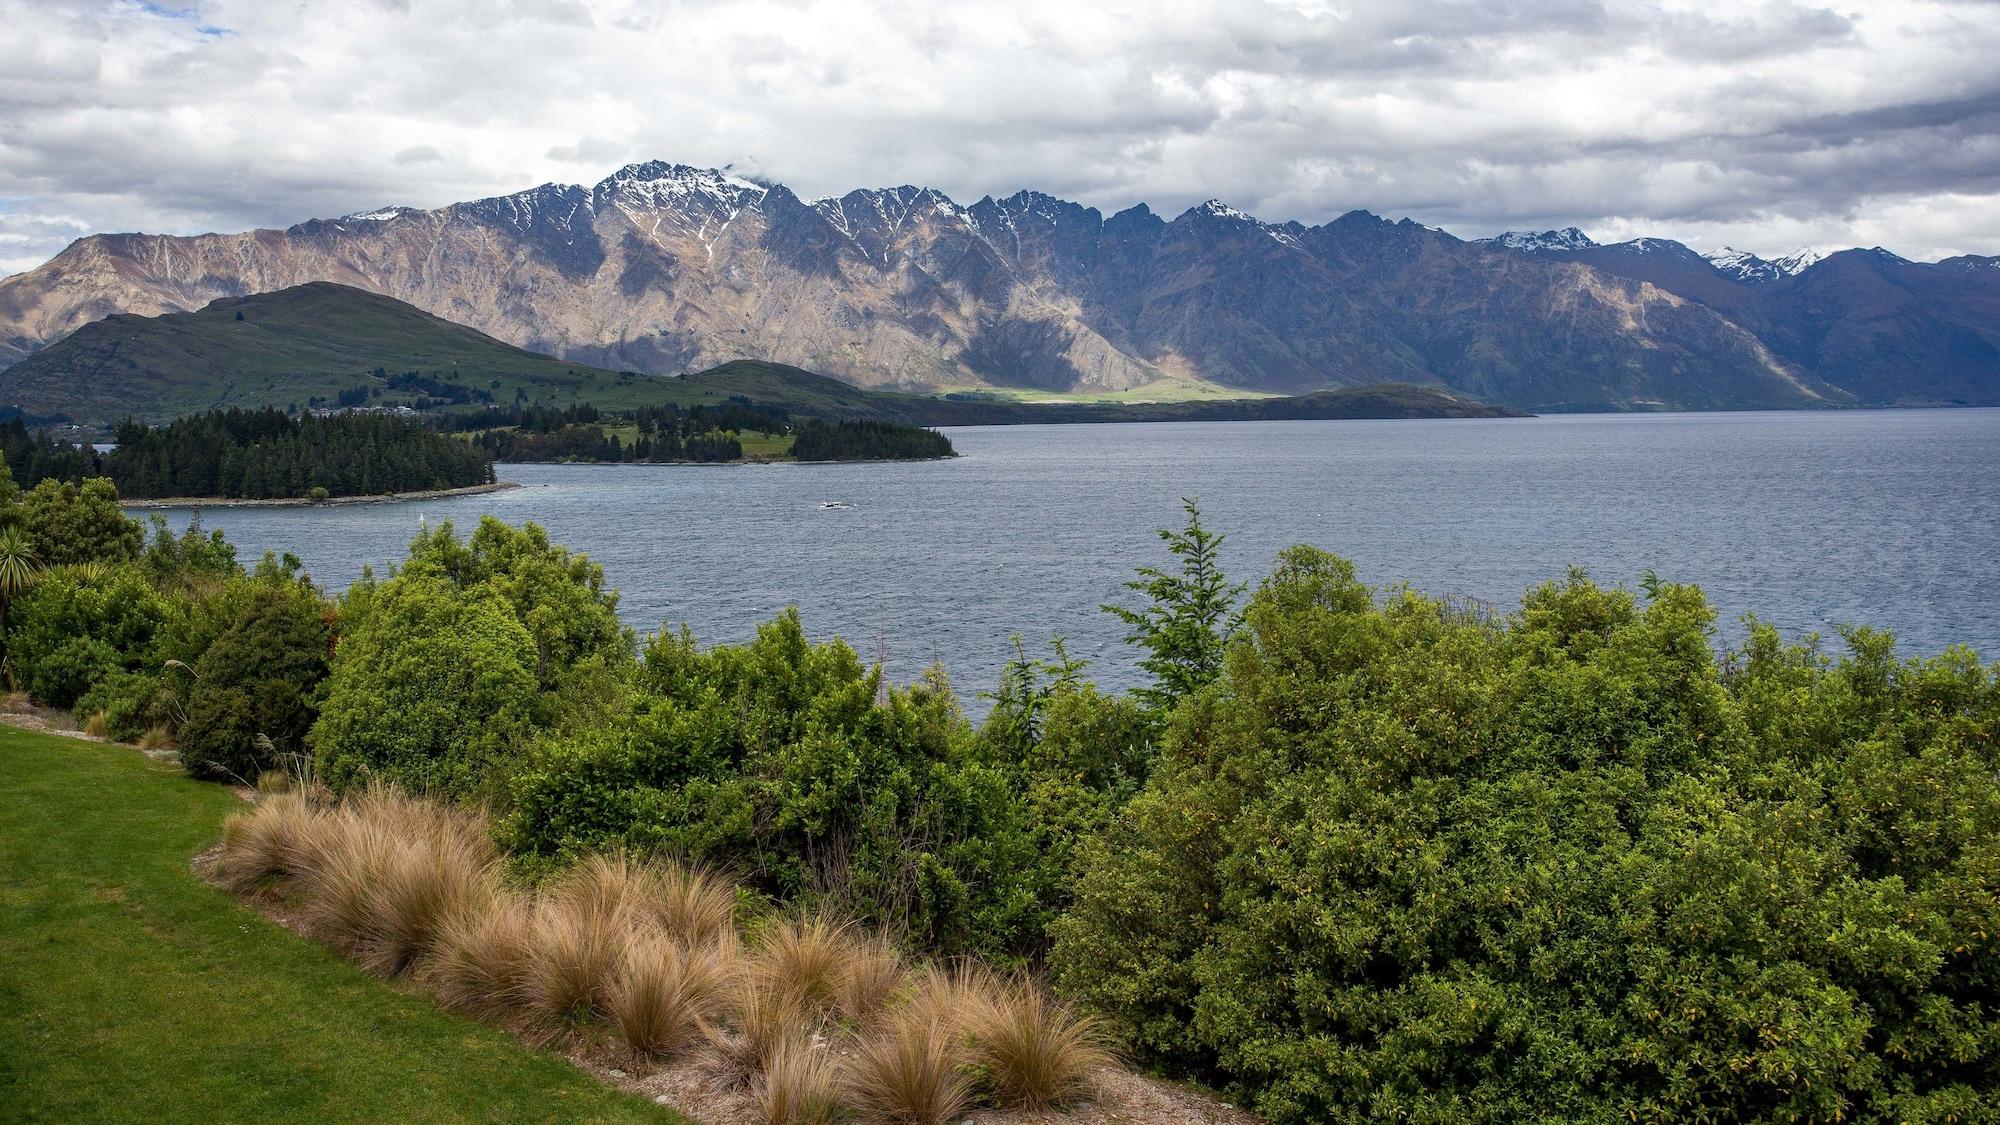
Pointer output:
x,y
652,949
756,1026
418,888
946,995
800,1085
665,993
870,977
692,905
479,962
98,725
157,738
384,872
339,863
574,952
1033,1053
910,1070
802,960
609,886
265,842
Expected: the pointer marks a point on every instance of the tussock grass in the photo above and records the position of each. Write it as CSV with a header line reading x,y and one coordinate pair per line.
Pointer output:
x,y
1033,1053
814,1019
665,993
759,1023
693,905
574,951
910,1070
479,963
419,887
800,1085
870,977
804,961
611,886
339,863
135,992
383,873
98,725
157,738
265,843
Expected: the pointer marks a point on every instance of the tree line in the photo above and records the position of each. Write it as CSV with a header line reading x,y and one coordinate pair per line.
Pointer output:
x,y
694,433
256,454
864,440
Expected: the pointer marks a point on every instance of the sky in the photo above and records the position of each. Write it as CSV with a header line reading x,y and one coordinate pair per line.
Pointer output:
x,y
1762,124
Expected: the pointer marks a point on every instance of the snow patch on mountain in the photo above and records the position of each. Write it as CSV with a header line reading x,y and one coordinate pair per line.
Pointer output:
x,y
379,215
1799,260
1743,266
1529,242
1221,210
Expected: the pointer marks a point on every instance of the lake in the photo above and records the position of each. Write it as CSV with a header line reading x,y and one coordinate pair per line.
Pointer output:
x,y
1888,518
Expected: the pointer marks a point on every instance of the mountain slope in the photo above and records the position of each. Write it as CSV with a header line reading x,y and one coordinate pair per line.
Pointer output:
x,y
287,348
308,344
663,268
1882,329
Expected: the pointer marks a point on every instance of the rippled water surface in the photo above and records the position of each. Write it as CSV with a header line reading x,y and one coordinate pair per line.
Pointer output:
x,y
1888,518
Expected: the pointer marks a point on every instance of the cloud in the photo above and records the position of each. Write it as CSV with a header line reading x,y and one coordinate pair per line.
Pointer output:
x,y
1766,124
590,150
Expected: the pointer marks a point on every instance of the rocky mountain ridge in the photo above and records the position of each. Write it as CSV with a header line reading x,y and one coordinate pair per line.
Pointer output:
x,y
664,268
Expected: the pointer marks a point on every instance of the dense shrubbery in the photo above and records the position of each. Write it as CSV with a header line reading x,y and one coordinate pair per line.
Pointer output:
x,y
79,624
252,699
1405,863
456,662
1357,854
779,760
138,635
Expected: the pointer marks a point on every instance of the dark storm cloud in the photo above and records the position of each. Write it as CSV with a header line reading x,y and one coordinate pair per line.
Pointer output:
x,y
1766,123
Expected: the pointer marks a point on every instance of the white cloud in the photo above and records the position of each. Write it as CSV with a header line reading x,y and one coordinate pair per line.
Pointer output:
x,y
1762,124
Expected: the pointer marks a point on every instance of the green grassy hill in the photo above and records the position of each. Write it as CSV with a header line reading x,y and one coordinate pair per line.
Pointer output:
x,y
132,990
314,341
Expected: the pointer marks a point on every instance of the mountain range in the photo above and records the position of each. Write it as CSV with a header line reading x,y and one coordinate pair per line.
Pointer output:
x,y
664,268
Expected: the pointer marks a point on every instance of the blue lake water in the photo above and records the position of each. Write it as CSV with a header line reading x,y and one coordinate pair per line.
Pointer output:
x,y
1886,518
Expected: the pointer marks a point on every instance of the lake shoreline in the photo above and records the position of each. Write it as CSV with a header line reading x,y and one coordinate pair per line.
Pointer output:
x,y
307,502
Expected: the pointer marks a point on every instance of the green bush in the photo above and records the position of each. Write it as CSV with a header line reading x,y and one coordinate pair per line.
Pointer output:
x,y
470,651
254,693
559,597
1400,863
1074,756
433,686
776,760
132,703
70,524
77,625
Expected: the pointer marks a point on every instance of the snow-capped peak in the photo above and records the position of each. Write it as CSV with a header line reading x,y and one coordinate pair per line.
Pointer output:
x,y
1743,266
379,215
657,182
1796,262
1568,238
1221,210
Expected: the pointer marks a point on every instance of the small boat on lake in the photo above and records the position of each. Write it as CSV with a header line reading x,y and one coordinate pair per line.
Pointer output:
x,y
832,506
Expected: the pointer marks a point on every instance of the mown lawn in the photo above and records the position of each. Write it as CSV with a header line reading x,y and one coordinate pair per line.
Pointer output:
x,y
132,991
